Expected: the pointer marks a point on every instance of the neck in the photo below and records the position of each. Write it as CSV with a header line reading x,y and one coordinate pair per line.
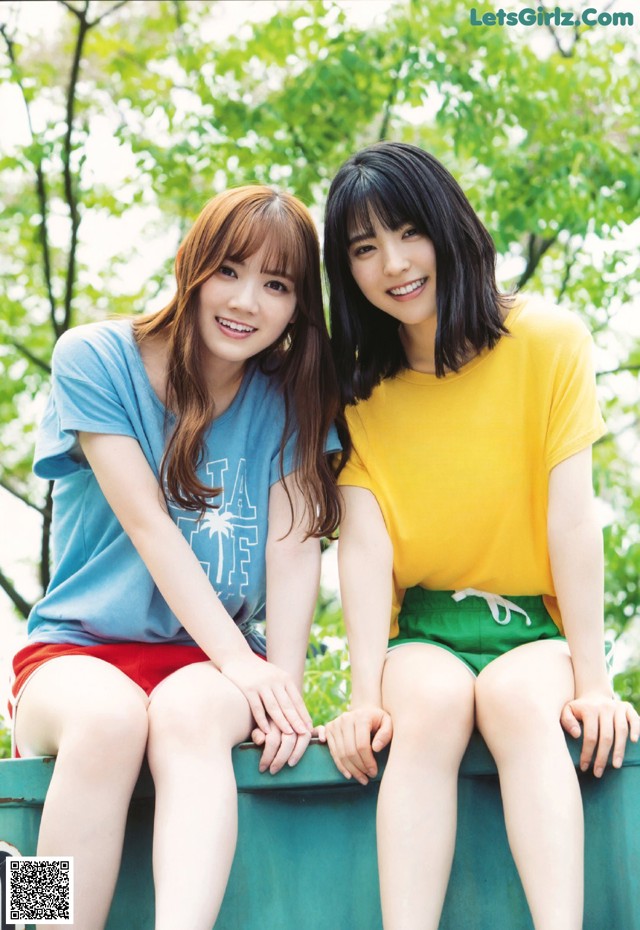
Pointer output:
x,y
223,379
419,344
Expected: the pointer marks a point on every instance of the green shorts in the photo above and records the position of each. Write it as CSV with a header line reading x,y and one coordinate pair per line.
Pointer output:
x,y
475,626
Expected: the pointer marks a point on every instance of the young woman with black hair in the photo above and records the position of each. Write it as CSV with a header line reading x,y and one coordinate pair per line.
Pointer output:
x,y
188,449
470,551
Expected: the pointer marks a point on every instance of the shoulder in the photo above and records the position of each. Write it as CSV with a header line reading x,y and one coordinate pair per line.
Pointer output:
x,y
365,412
82,349
545,325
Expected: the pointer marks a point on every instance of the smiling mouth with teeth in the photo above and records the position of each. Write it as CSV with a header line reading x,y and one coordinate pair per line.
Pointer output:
x,y
235,327
407,288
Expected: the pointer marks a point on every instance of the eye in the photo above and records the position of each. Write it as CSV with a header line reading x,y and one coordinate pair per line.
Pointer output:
x,y
278,286
362,250
409,232
227,271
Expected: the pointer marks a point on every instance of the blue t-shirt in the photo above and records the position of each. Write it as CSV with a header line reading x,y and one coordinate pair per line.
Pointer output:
x,y
101,590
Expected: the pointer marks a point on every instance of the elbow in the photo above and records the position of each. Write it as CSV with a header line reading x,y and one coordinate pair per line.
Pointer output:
x,y
374,550
147,529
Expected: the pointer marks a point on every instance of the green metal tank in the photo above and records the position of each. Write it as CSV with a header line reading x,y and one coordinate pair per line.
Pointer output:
x,y
306,856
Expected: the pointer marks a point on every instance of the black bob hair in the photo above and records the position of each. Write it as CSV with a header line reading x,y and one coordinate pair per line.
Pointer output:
x,y
399,184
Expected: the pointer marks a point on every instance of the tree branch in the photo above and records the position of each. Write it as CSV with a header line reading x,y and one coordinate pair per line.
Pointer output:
x,y
34,359
71,8
23,498
537,247
570,262
9,588
45,548
112,9
41,189
615,371
67,149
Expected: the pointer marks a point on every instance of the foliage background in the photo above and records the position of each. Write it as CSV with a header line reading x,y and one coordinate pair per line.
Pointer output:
x,y
126,117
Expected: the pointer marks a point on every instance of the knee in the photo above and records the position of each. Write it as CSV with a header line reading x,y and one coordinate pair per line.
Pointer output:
x,y
505,707
198,723
436,715
112,735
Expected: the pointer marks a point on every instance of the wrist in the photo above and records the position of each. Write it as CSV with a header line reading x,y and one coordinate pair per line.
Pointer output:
x,y
230,654
371,697
594,687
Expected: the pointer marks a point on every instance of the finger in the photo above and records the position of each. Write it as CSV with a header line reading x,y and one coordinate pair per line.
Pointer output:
x,y
299,749
257,709
384,734
633,719
257,736
570,722
298,702
621,729
364,757
288,712
344,743
286,746
336,755
590,738
320,733
357,738
275,711
271,747
605,740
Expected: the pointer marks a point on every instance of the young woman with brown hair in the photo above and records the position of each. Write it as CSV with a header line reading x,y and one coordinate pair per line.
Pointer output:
x,y
188,450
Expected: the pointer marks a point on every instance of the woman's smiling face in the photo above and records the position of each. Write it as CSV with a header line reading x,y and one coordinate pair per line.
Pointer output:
x,y
396,271
244,308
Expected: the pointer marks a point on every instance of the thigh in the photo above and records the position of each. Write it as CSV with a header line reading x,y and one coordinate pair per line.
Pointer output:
x,y
75,694
425,686
197,704
530,682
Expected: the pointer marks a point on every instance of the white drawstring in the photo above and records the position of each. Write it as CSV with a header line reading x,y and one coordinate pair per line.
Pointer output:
x,y
494,601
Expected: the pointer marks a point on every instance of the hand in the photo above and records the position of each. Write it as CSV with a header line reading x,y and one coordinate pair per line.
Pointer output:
x,y
350,743
271,693
280,748
606,722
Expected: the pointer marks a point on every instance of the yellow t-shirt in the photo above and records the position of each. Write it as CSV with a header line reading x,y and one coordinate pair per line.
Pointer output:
x,y
460,465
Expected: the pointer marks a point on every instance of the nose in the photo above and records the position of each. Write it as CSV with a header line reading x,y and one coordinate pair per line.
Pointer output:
x,y
394,260
244,296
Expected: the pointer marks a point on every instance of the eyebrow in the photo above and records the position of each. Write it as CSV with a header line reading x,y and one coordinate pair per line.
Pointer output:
x,y
360,237
276,274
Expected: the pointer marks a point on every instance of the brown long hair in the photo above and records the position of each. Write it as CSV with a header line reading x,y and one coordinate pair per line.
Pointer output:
x,y
232,227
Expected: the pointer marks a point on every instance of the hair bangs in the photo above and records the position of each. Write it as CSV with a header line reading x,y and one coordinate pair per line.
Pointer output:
x,y
375,195
269,226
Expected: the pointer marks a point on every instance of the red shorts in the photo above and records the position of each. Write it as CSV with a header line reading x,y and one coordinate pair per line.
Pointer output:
x,y
145,663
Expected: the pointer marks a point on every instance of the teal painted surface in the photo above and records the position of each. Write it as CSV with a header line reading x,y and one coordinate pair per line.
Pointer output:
x,y
306,854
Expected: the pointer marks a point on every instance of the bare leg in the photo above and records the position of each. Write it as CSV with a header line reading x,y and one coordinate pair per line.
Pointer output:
x,y
519,698
196,716
94,719
429,694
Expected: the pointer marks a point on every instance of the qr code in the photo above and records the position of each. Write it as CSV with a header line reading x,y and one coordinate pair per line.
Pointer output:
x,y
39,889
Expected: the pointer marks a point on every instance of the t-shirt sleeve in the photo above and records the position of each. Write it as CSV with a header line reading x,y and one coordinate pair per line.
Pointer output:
x,y
355,472
332,444
82,398
575,421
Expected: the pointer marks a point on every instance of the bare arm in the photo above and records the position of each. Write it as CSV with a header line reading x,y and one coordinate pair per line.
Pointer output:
x,y
293,581
133,493
365,556
575,550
